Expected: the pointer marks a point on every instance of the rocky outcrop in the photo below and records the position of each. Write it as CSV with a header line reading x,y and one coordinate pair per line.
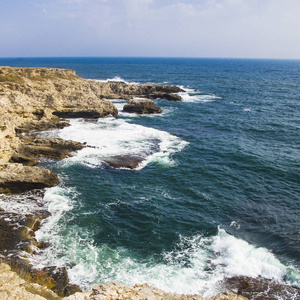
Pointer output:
x,y
116,291
33,99
16,178
260,288
15,287
142,106
33,147
18,242
12,286
121,90
124,161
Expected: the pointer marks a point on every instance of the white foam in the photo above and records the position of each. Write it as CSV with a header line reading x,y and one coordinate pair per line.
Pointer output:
x,y
191,95
111,137
22,204
196,264
116,79
237,257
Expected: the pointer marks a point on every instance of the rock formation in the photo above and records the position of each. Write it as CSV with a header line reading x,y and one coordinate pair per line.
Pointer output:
x,y
16,178
142,106
121,90
260,288
116,291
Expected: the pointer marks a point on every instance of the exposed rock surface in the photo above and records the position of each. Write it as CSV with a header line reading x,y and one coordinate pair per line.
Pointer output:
x,y
17,242
261,288
142,106
121,90
124,161
33,99
32,147
30,98
13,287
16,178
116,291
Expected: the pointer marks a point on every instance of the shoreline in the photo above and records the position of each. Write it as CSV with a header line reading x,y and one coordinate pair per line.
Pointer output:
x,y
57,102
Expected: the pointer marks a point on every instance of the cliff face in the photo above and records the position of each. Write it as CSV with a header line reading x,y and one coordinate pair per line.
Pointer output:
x,y
32,99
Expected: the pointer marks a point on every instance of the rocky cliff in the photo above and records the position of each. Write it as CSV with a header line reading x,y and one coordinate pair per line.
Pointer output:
x,y
34,99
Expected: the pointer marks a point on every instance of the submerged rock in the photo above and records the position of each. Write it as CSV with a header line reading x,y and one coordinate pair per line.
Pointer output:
x,y
142,106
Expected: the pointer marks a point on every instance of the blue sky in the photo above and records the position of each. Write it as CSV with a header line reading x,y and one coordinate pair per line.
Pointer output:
x,y
165,28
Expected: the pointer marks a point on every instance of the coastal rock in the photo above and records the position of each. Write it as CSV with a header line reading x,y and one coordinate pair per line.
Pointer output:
x,y
142,106
60,281
124,161
260,288
116,291
32,147
12,286
16,178
122,90
16,233
172,97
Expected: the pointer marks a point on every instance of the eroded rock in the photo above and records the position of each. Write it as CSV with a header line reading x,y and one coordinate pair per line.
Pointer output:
x,y
142,106
16,178
117,291
32,147
124,161
260,288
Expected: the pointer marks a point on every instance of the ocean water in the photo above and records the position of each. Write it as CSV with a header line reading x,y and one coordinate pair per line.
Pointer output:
x,y
218,192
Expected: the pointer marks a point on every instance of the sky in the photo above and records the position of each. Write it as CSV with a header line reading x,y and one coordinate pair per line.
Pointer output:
x,y
150,28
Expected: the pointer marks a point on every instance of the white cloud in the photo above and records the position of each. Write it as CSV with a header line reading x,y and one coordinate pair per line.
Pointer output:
x,y
226,28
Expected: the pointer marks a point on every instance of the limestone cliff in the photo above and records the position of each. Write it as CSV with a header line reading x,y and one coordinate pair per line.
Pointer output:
x,y
35,98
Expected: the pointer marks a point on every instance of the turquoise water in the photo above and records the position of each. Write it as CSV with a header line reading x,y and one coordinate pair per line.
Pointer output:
x,y
218,192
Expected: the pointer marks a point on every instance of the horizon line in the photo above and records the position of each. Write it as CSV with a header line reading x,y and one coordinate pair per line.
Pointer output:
x,y
152,57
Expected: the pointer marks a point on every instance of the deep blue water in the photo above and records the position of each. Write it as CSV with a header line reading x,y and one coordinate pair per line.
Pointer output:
x,y
218,195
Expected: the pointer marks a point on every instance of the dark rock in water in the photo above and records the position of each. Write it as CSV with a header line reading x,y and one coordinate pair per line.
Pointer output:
x,y
172,97
16,178
88,114
142,106
125,161
169,97
260,288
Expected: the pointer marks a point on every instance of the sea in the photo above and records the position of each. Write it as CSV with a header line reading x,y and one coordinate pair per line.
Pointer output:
x,y
216,195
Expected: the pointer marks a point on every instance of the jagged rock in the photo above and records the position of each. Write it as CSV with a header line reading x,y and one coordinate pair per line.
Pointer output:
x,y
172,97
16,233
16,178
260,288
142,106
124,161
34,99
32,147
121,90
117,291
12,286
60,280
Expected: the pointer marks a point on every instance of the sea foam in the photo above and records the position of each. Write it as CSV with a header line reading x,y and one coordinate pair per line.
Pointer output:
x,y
110,137
191,95
196,264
